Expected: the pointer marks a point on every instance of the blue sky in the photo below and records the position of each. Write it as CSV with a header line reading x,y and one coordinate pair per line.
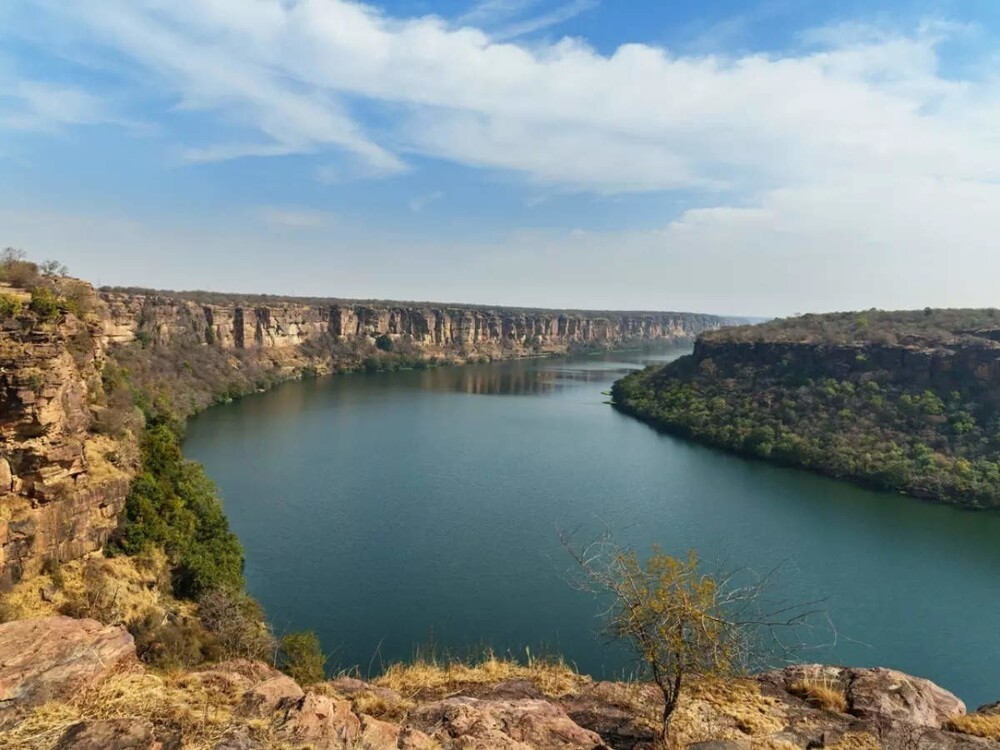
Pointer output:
x,y
746,158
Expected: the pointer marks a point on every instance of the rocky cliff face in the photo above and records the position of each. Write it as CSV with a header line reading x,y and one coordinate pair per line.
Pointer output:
x,y
230,324
60,490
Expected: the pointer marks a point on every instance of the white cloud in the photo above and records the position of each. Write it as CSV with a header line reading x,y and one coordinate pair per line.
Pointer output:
x,y
638,119
853,146
42,106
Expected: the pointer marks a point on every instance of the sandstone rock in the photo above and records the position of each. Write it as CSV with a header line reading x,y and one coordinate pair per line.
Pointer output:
x,y
514,724
607,708
271,695
383,735
882,694
238,739
886,693
52,658
721,745
323,722
6,476
111,734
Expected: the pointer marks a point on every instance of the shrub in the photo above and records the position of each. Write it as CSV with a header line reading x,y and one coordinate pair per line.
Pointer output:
x,y
384,342
172,503
44,303
236,621
169,642
16,270
10,306
302,658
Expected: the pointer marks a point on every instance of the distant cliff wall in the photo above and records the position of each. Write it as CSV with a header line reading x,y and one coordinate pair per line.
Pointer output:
x,y
167,319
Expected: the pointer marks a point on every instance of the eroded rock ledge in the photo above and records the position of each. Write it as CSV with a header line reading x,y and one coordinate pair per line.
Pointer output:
x,y
75,684
232,323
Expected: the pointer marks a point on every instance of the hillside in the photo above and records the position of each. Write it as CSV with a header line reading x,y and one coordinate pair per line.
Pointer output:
x,y
903,401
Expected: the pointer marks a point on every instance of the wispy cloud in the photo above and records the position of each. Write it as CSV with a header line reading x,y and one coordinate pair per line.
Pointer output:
x,y
45,107
419,202
509,19
534,24
291,217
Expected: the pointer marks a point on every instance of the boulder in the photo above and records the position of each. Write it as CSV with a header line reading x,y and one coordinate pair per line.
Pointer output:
x,y
271,695
110,734
53,658
884,695
323,722
888,694
504,724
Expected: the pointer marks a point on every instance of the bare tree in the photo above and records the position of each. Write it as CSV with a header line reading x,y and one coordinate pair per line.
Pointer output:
x,y
53,268
679,621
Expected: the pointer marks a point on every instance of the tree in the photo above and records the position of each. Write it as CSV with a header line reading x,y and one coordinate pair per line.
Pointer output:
x,y
53,268
678,621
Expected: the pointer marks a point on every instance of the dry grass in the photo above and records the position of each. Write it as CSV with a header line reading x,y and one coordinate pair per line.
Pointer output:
x,y
857,741
97,450
824,695
978,725
115,590
428,678
725,709
200,706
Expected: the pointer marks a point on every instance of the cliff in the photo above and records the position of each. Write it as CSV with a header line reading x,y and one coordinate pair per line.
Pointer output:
x,y
230,322
905,401
197,348
76,684
62,485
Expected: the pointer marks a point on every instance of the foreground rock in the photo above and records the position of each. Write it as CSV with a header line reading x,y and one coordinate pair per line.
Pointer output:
x,y
97,695
503,724
55,658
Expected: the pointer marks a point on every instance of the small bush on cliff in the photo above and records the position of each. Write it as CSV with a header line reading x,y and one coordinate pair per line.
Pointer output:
x,y
44,303
16,269
236,620
10,306
301,657
173,504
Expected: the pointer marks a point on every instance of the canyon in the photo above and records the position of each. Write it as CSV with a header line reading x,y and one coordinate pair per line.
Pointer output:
x,y
64,476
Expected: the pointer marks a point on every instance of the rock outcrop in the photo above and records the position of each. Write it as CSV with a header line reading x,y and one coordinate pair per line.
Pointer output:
x,y
97,695
60,489
56,658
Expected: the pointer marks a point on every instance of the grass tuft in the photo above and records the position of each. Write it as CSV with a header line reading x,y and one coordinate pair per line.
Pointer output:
x,y
978,725
825,695
552,677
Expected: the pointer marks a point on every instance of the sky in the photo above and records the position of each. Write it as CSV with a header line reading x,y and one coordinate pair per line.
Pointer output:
x,y
743,158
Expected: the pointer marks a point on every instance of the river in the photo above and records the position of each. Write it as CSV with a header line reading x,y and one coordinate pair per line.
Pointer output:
x,y
408,512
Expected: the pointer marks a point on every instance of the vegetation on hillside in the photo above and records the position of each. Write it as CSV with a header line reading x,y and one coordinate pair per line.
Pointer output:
x,y
858,418
927,327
